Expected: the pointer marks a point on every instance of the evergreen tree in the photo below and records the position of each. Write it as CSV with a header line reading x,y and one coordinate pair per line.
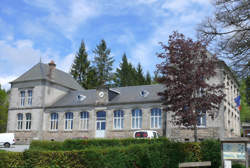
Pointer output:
x,y
148,79
3,110
92,81
81,66
139,75
103,62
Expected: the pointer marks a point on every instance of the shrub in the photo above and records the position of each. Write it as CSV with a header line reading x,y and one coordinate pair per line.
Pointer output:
x,y
46,145
211,151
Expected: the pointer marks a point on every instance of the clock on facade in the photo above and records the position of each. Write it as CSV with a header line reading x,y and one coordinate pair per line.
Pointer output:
x,y
101,94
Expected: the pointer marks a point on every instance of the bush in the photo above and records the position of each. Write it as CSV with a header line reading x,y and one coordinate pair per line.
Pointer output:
x,y
113,153
70,144
211,151
238,166
46,145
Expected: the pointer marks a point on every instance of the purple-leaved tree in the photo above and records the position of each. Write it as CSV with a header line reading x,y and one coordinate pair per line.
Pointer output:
x,y
186,71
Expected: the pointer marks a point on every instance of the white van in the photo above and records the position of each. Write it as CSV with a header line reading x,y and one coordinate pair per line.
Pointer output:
x,y
7,139
146,134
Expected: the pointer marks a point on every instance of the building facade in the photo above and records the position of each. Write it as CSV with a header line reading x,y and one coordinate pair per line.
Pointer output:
x,y
48,104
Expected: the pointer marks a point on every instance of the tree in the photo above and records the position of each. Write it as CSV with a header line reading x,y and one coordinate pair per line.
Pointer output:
x,y
148,79
123,73
229,28
139,75
247,90
92,80
81,66
103,62
3,109
185,71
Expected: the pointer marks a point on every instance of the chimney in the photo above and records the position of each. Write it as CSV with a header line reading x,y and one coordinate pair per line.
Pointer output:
x,y
52,66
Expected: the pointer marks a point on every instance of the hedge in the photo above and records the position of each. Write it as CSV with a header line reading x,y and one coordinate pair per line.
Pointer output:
x,y
84,144
152,154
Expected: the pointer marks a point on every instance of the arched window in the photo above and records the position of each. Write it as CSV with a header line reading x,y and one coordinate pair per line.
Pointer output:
x,y
68,121
136,119
84,120
101,115
54,121
19,121
118,119
155,118
28,121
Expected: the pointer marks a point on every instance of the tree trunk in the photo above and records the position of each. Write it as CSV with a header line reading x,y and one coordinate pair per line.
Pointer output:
x,y
195,133
164,123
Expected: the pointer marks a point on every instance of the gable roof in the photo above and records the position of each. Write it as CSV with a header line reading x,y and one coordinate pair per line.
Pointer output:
x,y
130,94
40,72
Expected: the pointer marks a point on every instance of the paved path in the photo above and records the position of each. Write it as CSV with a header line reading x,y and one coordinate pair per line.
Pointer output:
x,y
16,148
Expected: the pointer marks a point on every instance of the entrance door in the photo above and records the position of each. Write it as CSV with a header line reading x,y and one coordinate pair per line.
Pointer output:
x,y
100,124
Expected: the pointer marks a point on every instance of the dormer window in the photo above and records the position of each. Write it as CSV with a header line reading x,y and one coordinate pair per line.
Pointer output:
x,y
81,97
144,93
22,93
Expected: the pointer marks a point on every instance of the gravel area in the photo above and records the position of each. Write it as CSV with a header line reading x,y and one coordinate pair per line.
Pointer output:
x,y
15,148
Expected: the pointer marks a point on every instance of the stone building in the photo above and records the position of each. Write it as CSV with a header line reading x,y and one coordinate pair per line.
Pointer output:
x,y
48,104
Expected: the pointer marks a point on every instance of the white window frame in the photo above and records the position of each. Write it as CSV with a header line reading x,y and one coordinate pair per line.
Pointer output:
x,y
30,97
156,119
137,119
22,97
68,122
54,122
118,119
84,121
203,122
28,121
19,122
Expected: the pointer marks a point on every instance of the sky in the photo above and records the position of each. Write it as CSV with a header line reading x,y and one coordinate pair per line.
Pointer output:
x,y
34,30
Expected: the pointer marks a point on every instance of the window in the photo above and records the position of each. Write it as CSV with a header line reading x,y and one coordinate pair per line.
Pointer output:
x,y
29,97
28,121
144,93
19,121
136,119
155,118
84,120
201,120
22,93
118,119
54,121
68,121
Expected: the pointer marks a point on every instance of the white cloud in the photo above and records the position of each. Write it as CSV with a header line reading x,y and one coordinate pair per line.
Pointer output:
x,y
4,81
19,56
67,16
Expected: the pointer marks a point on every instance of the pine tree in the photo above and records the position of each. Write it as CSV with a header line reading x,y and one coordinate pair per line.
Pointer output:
x,y
81,66
103,63
123,73
148,79
139,75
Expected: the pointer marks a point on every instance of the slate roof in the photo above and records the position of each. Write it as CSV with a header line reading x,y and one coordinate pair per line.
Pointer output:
x,y
40,71
130,94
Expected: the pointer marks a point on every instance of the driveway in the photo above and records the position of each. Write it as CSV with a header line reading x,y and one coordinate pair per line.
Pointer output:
x,y
16,148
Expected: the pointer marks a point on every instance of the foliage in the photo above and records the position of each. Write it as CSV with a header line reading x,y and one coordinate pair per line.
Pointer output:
x,y
163,153
245,108
238,166
3,109
185,71
247,89
211,151
103,63
80,66
127,75
84,144
229,29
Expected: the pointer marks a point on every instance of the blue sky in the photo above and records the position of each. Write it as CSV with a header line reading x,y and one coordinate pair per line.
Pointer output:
x,y
53,30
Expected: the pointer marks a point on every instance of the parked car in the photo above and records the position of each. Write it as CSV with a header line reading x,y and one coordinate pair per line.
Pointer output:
x,y
7,139
146,134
